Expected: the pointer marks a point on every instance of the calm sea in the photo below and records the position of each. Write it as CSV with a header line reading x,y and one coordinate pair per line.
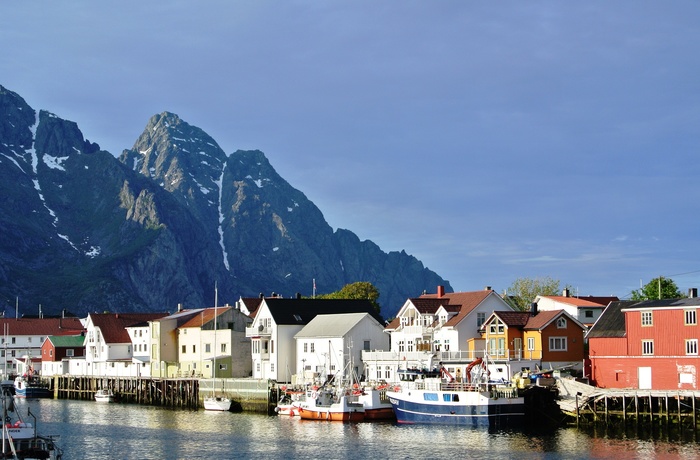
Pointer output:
x,y
89,430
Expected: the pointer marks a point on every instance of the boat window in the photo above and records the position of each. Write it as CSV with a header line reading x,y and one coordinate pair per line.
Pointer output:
x,y
430,396
450,397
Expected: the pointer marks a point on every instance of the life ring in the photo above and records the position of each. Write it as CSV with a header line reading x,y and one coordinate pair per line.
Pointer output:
x,y
381,387
314,394
397,389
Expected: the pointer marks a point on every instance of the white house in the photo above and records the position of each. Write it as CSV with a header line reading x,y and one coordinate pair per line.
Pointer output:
x,y
331,346
435,328
108,345
278,320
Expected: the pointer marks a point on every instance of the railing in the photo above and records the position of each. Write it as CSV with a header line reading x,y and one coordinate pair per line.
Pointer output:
x,y
257,331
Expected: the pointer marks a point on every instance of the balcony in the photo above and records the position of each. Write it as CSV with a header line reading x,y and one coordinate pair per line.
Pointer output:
x,y
258,331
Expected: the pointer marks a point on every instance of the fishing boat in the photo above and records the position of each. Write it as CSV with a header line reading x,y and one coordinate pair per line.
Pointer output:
x,y
20,439
437,398
216,402
376,402
331,404
31,387
289,402
106,396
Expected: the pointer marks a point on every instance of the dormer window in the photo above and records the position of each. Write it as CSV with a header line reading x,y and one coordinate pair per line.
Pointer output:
x,y
297,318
561,323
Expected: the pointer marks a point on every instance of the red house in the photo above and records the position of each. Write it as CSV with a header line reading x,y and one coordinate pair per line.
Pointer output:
x,y
650,345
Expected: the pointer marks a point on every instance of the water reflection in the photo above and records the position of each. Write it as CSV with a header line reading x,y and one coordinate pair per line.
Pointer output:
x,y
114,431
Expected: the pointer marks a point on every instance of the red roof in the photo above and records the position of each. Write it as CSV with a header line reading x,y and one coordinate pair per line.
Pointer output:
x,y
468,301
42,326
113,325
582,301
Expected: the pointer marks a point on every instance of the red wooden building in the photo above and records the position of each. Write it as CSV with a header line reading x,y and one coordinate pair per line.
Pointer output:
x,y
650,345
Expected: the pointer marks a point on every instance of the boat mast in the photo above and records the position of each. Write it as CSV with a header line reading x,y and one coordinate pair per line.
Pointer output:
x,y
216,303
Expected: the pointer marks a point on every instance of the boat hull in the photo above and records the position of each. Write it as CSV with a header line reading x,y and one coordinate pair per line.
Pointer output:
x,y
468,408
217,404
384,413
33,392
330,415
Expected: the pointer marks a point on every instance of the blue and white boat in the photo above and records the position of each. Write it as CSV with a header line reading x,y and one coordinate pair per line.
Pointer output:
x,y
437,398
31,387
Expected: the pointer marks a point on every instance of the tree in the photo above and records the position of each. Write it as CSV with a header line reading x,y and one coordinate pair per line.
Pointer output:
x,y
362,290
523,291
658,288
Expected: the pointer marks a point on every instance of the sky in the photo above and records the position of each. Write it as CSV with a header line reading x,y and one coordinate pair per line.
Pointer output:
x,y
490,141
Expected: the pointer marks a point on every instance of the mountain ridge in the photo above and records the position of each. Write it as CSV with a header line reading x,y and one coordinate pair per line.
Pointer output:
x,y
163,222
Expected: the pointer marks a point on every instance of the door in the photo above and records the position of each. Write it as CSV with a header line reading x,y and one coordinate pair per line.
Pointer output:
x,y
517,347
644,374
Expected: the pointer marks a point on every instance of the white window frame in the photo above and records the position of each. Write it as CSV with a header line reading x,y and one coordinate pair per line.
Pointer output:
x,y
691,347
530,344
691,318
647,318
561,323
558,344
648,347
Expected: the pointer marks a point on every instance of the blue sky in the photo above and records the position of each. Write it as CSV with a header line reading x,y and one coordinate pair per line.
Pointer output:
x,y
492,142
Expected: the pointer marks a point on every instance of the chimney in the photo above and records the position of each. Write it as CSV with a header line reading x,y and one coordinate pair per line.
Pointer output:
x,y
692,293
533,308
441,291
298,295
487,288
565,293
179,307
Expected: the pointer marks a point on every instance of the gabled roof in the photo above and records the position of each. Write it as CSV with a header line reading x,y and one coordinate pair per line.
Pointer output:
x,y
666,303
543,318
337,325
427,306
42,326
251,304
513,318
581,302
113,325
611,322
301,311
204,316
67,341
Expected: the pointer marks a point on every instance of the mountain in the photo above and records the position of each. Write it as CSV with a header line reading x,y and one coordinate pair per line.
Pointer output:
x,y
166,221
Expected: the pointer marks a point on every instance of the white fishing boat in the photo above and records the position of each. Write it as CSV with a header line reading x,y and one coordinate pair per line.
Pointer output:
x,y
289,402
106,396
436,398
20,439
331,404
376,402
216,402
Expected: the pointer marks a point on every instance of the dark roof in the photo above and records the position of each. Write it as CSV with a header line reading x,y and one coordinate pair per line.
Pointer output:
x,y
513,318
611,322
667,303
204,316
301,311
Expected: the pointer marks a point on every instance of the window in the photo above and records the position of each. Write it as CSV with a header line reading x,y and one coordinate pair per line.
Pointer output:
x,y
312,347
194,348
387,372
401,346
480,319
557,344
379,373
51,351
70,352
691,346
409,347
14,340
29,339
589,313
306,347
223,347
647,347
690,318
647,318
561,323
184,349
365,345
207,347
531,343
497,327
272,346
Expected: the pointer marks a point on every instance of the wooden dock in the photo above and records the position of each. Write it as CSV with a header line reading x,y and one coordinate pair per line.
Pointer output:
x,y
176,393
589,405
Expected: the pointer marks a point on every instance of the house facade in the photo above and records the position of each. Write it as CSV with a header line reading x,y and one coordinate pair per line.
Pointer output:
x,y
330,346
164,342
278,320
649,345
58,350
435,328
548,339
109,346
22,341
213,343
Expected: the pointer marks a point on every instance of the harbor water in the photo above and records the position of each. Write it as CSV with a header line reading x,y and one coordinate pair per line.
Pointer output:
x,y
90,430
